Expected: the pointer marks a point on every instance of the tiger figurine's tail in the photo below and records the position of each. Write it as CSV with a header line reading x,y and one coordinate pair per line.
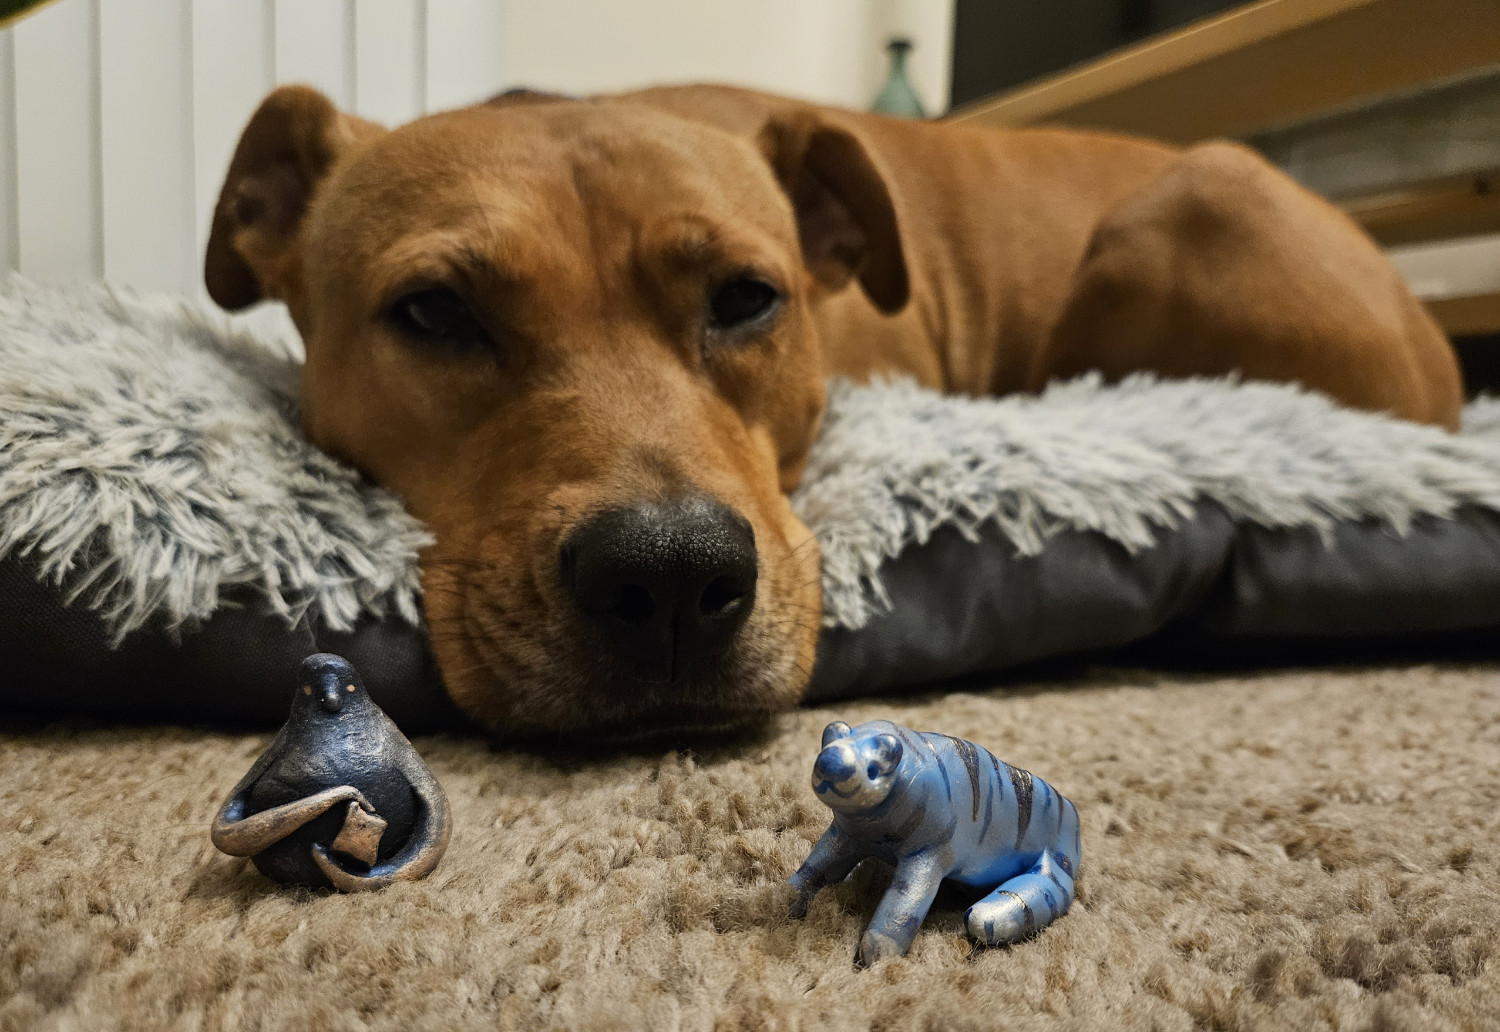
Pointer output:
x,y
1029,902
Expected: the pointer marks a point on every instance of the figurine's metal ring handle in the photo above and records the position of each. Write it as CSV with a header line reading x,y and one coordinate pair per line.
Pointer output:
x,y
238,835
428,842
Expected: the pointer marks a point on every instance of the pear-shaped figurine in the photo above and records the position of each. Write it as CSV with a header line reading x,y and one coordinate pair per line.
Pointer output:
x,y
340,798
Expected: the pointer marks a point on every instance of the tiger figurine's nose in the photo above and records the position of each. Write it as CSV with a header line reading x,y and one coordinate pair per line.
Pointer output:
x,y
834,765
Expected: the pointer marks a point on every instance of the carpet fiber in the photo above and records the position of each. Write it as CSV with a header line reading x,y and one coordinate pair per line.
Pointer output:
x,y
1304,850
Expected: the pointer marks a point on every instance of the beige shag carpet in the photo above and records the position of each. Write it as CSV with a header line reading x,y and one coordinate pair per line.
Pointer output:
x,y
1282,851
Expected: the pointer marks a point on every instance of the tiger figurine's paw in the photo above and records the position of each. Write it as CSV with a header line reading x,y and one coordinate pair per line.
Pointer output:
x,y
873,946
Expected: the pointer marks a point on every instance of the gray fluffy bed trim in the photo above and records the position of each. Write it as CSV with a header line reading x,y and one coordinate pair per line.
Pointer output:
x,y
897,462
150,460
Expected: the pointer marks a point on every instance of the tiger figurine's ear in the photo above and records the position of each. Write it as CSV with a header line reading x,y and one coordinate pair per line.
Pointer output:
x,y
833,732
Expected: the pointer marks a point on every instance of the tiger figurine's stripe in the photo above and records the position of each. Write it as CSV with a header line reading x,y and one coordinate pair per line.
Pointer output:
x,y
937,807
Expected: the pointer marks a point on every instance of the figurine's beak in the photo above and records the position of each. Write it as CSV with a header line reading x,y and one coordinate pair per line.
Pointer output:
x,y
329,696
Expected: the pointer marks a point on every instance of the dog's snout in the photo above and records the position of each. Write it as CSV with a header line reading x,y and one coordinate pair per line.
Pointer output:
x,y
669,584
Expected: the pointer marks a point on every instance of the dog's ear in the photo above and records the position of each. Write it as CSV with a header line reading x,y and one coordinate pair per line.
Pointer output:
x,y
289,146
845,218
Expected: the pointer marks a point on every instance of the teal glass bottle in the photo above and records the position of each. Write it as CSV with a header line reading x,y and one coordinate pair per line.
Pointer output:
x,y
897,96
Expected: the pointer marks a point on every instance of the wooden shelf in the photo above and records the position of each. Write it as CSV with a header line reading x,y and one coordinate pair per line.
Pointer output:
x,y
1261,65
1466,316
1441,209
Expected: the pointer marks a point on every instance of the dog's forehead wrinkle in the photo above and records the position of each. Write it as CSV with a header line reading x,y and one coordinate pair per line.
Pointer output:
x,y
424,176
661,158
579,210
492,241
699,237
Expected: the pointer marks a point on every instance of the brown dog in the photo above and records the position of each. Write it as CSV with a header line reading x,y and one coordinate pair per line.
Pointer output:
x,y
586,340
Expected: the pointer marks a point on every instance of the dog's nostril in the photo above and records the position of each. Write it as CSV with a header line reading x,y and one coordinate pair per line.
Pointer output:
x,y
721,597
633,605
667,586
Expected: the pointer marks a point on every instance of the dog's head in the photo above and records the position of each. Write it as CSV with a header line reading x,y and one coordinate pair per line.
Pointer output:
x,y
577,338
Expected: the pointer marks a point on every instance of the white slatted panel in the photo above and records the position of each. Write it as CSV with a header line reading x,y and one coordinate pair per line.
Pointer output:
x,y
463,52
146,126
8,200
118,117
389,77
315,45
59,231
234,65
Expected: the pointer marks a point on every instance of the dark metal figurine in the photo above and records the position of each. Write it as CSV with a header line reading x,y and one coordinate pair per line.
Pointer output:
x,y
340,798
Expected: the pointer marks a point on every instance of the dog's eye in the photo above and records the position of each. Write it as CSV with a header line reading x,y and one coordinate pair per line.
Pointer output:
x,y
438,314
742,302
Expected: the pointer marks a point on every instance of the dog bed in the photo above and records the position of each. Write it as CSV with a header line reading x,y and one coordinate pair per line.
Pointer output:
x,y
170,546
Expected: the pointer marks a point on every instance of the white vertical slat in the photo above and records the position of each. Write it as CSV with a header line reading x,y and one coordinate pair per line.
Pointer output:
x,y
463,52
314,45
420,71
118,117
57,141
233,70
387,34
146,134
8,199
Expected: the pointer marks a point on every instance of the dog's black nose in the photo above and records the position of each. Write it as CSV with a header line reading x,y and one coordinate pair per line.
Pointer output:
x,y
669,584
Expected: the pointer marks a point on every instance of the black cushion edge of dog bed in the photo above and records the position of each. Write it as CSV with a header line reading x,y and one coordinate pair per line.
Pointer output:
x,y
961,607
239,668
1209,585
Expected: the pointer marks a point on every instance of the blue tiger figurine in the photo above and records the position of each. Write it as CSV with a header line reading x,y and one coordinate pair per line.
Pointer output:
x,y
937,807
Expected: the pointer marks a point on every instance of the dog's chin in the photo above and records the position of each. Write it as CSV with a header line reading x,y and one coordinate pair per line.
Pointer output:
x,y
586,697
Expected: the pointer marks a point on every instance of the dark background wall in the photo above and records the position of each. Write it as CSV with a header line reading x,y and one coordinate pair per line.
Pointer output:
x,y
999,43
